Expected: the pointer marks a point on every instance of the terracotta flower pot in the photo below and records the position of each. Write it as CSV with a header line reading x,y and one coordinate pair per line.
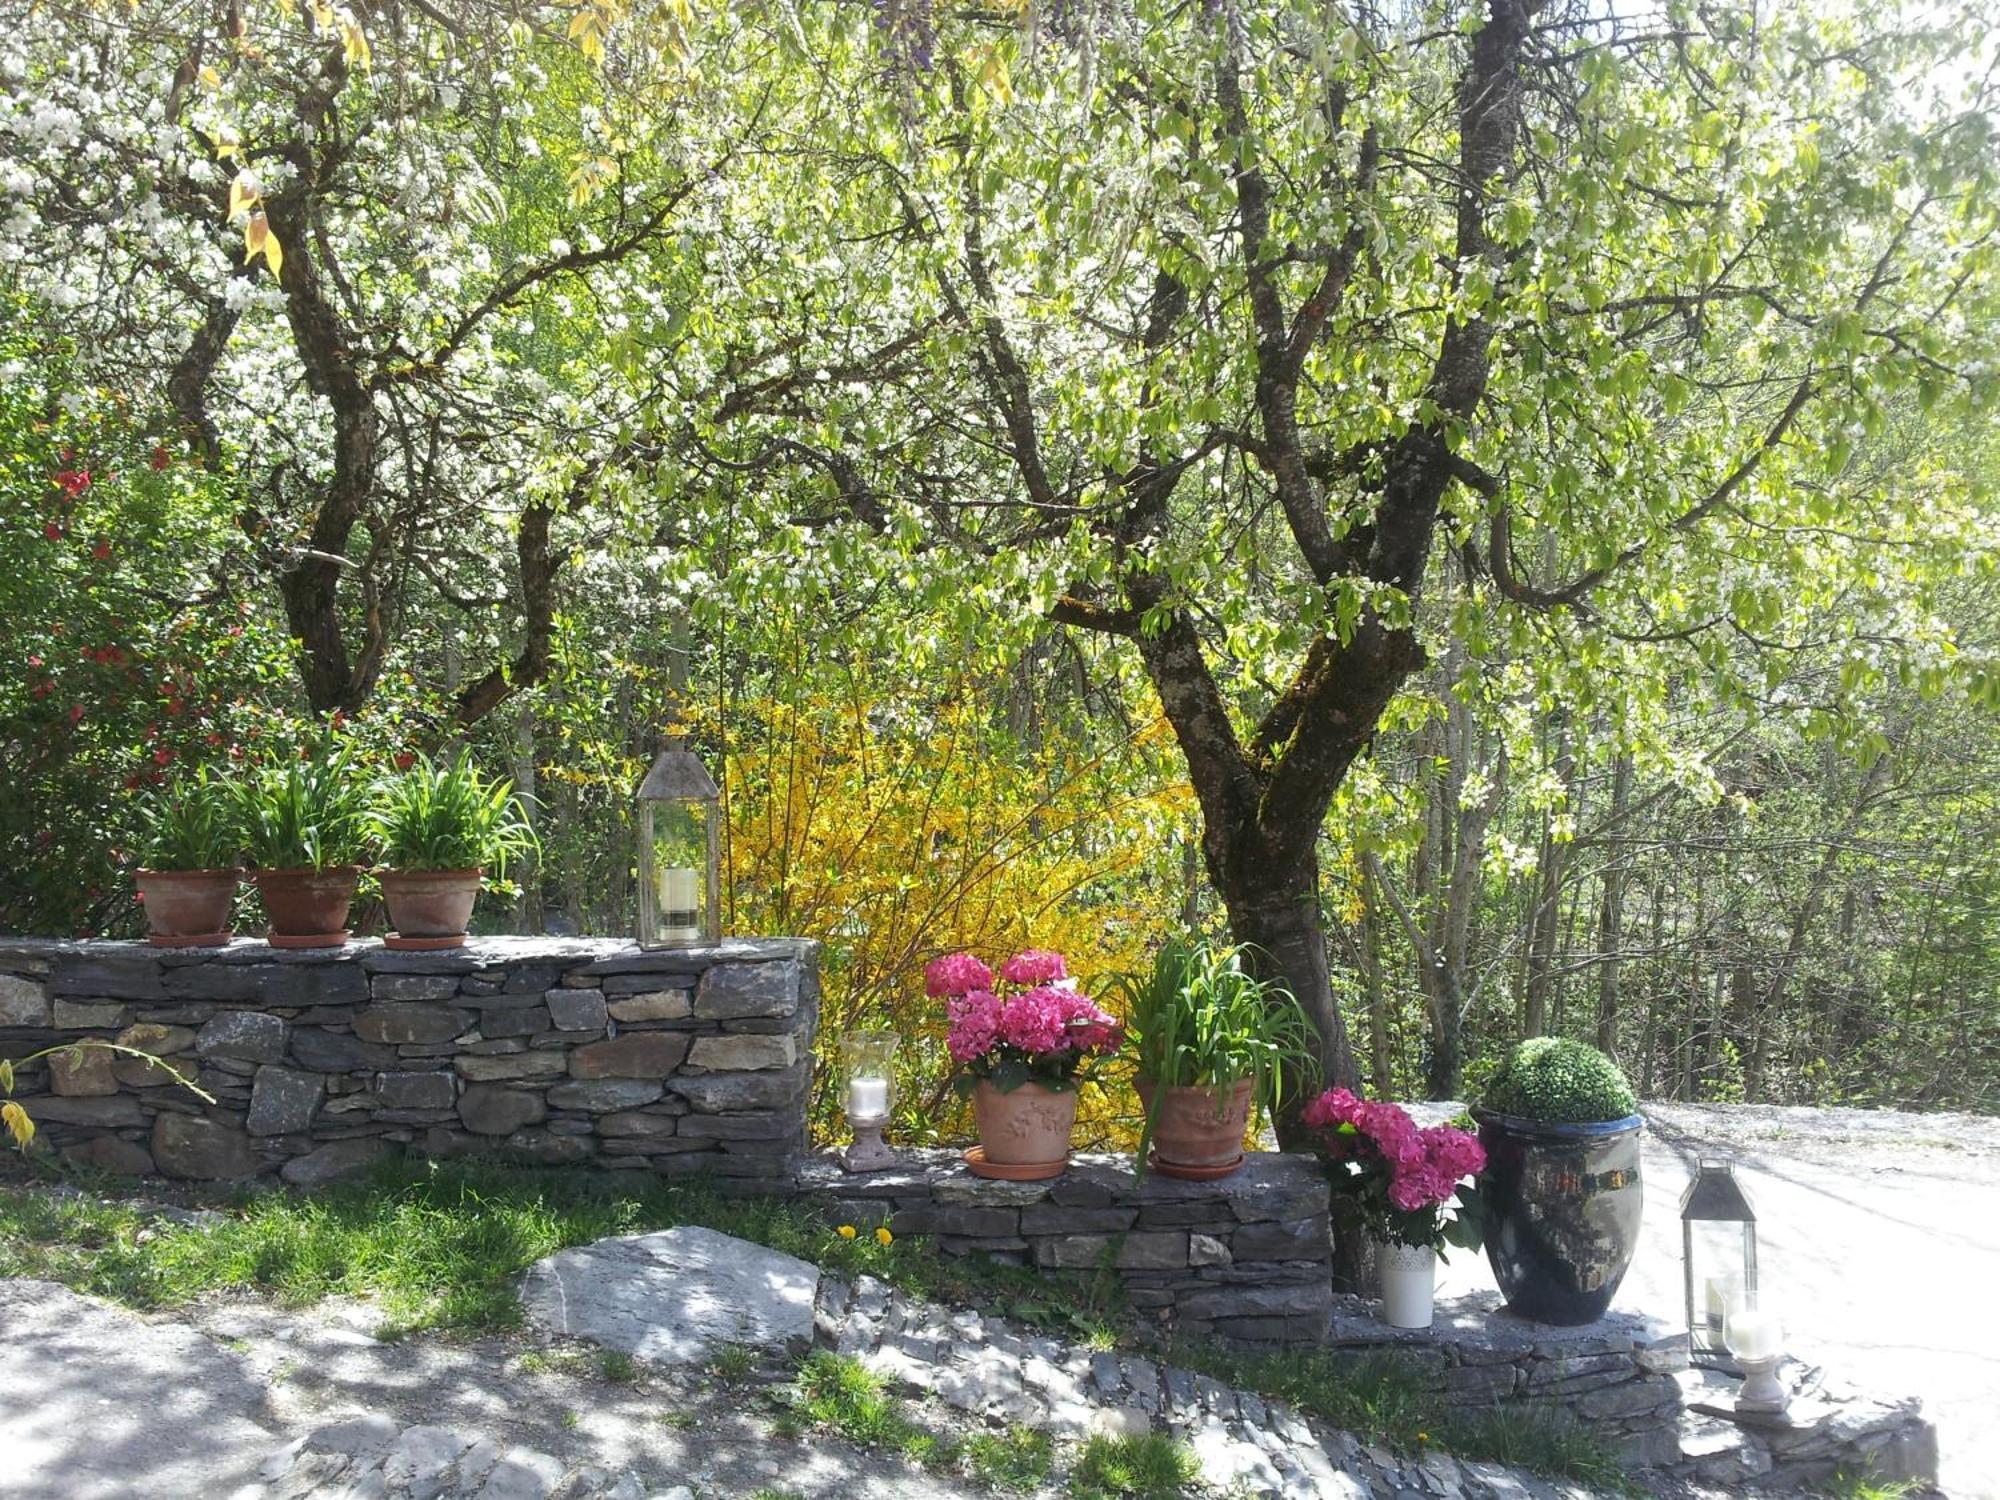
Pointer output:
x,y
307,908
1027,1127
429,908
188,908
1196,1127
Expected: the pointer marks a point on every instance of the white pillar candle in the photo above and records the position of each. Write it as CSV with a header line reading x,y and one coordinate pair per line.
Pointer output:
x,y
1722,1293
1755,1334
679,917
867,1098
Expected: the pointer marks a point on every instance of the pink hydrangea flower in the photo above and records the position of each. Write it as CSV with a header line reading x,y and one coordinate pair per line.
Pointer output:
x,y
1331,1110
1419,1187
956,974
1034,966
1392,1130
1090,1029
1453,1153
1035,1020
975,1024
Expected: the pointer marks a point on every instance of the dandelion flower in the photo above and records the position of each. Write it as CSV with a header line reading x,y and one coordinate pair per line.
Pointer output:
x,y
846,1231
883,1237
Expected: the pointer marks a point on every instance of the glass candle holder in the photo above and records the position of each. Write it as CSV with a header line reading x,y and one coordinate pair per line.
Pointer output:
x,y
869,1059
1757,1340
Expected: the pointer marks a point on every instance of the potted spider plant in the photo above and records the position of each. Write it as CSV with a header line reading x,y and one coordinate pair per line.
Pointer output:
x,y
187,883
1211,1044
303,830
441,827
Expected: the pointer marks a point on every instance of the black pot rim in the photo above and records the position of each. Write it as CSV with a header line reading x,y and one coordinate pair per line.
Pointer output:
x,y
1547,1129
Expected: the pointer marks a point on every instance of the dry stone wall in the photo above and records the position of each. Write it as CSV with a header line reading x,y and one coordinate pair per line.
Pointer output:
x,y
1247,1257
547,1050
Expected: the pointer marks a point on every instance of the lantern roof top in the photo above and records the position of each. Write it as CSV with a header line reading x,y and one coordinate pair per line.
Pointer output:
x,y
1715,1196
678,775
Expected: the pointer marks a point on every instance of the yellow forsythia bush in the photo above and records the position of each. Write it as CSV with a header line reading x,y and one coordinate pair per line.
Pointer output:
x,y
894,845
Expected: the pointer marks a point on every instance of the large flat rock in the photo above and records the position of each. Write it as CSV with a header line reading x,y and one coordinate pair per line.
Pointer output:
x,y
100,1404
673,1296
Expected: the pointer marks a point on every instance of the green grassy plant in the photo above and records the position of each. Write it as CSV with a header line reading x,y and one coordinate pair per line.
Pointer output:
x,y
190,824
1152,1466
307,813
446,816
1019,1459
1199,1019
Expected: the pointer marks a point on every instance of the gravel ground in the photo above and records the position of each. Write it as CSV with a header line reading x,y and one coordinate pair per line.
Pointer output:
x,y
1878,1241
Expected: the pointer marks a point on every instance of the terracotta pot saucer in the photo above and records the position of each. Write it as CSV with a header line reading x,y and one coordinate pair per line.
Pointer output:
x,y
1194,1174
421,944
306,939
1031,1171
190,939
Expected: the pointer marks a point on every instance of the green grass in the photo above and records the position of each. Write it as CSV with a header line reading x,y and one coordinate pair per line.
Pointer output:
x,y
437,1245
1150,1467
841,1395
732,1364
1019,1459
1851,1484
440,1246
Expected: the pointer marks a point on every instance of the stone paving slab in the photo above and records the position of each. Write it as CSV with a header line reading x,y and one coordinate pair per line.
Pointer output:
x,y
97,1403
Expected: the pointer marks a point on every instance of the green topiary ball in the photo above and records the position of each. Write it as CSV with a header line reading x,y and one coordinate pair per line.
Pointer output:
x,y
1560,1082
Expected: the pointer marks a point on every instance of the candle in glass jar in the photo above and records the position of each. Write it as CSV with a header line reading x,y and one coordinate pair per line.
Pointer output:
x,y
867,1098
1755,1335
679,916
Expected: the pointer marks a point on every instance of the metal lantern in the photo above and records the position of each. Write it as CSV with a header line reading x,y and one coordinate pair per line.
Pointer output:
x,y
680,853
1718,1259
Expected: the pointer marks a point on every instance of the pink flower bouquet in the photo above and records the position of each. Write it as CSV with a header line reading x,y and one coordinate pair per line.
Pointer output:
x,y
1029,1025
1401,1180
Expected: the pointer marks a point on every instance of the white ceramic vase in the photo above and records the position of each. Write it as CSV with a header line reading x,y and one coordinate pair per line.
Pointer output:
x,y
1409,1284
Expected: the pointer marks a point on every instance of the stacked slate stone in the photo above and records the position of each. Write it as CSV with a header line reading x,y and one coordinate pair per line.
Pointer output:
x,y
1617,1375
543,1050
1247,1257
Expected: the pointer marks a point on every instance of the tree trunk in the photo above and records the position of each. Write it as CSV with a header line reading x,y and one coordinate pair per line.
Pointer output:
x,y
1611,913
1381,1070
1279,918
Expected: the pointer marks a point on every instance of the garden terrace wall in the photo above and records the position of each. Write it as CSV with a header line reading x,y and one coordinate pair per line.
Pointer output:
x,y
1248,1257
1615,1376
548,1050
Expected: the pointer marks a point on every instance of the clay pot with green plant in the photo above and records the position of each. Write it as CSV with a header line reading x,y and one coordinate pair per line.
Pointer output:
x,y
189,842
441,828
1561,1195
304,831
1211,1044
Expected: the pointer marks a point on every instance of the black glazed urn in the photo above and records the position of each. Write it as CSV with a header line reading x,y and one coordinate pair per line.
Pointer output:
x,y
1562,1205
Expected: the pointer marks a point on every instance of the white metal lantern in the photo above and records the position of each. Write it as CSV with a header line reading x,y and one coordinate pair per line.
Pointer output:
x,y
680,853
1718,1260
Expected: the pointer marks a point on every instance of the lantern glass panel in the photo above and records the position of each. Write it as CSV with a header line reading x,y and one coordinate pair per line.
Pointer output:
x,y
1720,1278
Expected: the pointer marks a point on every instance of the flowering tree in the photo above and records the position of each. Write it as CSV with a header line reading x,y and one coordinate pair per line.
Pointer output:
x,y
383,271
1275,347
